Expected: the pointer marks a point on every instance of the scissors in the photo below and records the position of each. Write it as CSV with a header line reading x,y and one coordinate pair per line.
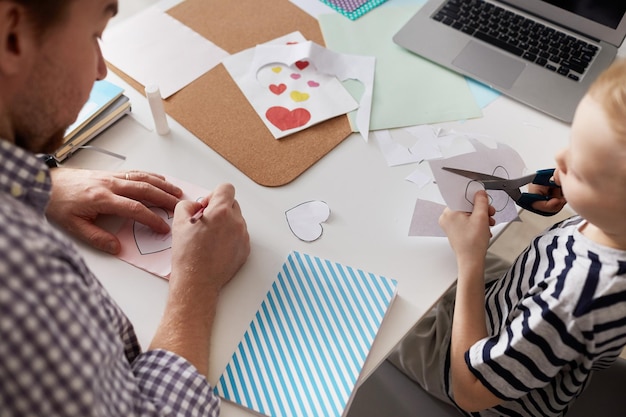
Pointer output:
x,y
512,186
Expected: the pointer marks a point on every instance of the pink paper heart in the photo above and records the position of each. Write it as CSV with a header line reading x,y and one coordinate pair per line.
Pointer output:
x,y
313,83
295,76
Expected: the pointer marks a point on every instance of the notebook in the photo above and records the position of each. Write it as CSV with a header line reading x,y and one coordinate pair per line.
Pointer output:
x,y
306,346
544,53
105,106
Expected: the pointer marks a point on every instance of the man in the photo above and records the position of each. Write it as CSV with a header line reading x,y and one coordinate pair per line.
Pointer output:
x,y
66,349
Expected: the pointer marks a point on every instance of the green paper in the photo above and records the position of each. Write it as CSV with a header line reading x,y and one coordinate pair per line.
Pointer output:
x,y
408,89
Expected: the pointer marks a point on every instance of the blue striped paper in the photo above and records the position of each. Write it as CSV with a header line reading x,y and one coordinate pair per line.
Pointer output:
x,y
306,346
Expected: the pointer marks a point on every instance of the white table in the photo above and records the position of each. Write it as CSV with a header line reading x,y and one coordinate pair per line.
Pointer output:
x,y
371,207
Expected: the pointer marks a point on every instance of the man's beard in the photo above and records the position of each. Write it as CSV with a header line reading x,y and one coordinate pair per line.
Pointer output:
x,y
48,145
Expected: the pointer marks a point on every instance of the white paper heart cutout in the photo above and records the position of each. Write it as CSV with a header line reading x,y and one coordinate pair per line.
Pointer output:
x,y
305,220
147,240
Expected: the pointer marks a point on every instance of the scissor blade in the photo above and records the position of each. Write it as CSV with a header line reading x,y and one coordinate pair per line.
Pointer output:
x,y
476,176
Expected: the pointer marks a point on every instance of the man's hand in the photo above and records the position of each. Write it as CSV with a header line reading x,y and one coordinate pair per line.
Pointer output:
x,y
206,254
79,196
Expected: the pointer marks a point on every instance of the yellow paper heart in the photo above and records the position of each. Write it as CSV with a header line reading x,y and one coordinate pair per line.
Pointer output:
x,y
277,69
297,96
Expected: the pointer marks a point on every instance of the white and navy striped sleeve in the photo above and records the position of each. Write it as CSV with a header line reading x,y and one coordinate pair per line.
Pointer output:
x,y
555,316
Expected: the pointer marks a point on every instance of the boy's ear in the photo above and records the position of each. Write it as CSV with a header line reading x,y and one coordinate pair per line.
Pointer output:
x,y
15,35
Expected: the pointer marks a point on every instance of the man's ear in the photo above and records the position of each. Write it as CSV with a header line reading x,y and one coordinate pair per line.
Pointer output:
x,y
16,35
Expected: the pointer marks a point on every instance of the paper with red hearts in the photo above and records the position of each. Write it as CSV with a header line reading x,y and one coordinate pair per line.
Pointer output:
x,y
288,97
151,251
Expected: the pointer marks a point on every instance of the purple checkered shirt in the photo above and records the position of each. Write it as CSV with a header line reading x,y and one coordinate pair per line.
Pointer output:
x,y
66,348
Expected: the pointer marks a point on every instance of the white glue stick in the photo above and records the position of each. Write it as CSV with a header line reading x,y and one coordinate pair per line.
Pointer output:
x,y
158,112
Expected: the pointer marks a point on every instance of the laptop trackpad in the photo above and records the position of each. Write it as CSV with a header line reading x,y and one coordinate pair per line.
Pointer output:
x,y
489,64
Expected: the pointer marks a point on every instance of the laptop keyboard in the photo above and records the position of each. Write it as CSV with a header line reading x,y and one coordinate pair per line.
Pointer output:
x,y
533,41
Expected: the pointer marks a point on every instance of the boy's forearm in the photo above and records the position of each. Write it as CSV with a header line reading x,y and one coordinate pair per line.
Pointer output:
x,y
468,327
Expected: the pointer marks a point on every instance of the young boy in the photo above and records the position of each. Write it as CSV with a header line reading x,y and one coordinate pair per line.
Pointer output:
x,y
526,344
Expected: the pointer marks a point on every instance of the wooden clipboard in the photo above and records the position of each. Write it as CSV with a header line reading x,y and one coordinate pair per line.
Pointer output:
x,y
216,111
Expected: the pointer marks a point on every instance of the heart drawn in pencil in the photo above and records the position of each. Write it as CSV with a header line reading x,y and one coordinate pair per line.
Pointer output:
x,y
278,89
147,240
277,69
302,64
298,96
295,76
313,83
286,119
305,220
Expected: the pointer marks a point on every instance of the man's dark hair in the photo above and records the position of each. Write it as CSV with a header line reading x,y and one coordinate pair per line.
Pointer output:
x,y
46,14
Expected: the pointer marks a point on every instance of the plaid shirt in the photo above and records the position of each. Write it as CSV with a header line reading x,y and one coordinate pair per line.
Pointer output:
x,y
66,348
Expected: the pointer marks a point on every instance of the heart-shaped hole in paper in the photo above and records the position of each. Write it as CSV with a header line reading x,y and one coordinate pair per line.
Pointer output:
x,y
147,240
305,220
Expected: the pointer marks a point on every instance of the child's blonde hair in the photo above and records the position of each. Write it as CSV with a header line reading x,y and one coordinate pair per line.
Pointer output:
x,y
610,91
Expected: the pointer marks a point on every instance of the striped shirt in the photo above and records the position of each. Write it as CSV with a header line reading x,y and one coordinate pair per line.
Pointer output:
x,y
66,348
555,317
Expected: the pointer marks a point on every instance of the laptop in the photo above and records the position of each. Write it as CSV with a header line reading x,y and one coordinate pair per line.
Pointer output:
x,y
544,53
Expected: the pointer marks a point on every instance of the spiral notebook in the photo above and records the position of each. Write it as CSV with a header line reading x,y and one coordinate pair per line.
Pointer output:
x,y
306,346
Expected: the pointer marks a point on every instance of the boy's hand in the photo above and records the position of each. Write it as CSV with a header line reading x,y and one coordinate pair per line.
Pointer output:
x,y
556,202
469,233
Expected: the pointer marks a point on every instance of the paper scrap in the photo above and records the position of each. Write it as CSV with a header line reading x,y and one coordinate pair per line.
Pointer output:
x,y
154,48
419,178
305,220
425,220
425,145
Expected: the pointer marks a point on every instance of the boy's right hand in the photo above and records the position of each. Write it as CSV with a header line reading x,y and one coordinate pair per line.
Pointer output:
x,y
469,233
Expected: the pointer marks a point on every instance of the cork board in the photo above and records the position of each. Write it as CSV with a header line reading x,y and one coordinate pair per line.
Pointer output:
x,y
216,111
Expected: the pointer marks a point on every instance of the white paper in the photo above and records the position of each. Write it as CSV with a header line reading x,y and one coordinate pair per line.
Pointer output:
x,y
154,48
290,75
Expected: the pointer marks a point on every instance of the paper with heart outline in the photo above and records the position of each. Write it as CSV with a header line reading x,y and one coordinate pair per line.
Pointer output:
x,y
458,191
305,220
288,96
151,251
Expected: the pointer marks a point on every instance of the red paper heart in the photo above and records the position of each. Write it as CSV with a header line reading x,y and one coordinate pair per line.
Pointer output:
x,y
278,89
286,119
302,64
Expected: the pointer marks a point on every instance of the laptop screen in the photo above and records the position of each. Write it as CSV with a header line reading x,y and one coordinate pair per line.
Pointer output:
x,y
606,12
597,19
